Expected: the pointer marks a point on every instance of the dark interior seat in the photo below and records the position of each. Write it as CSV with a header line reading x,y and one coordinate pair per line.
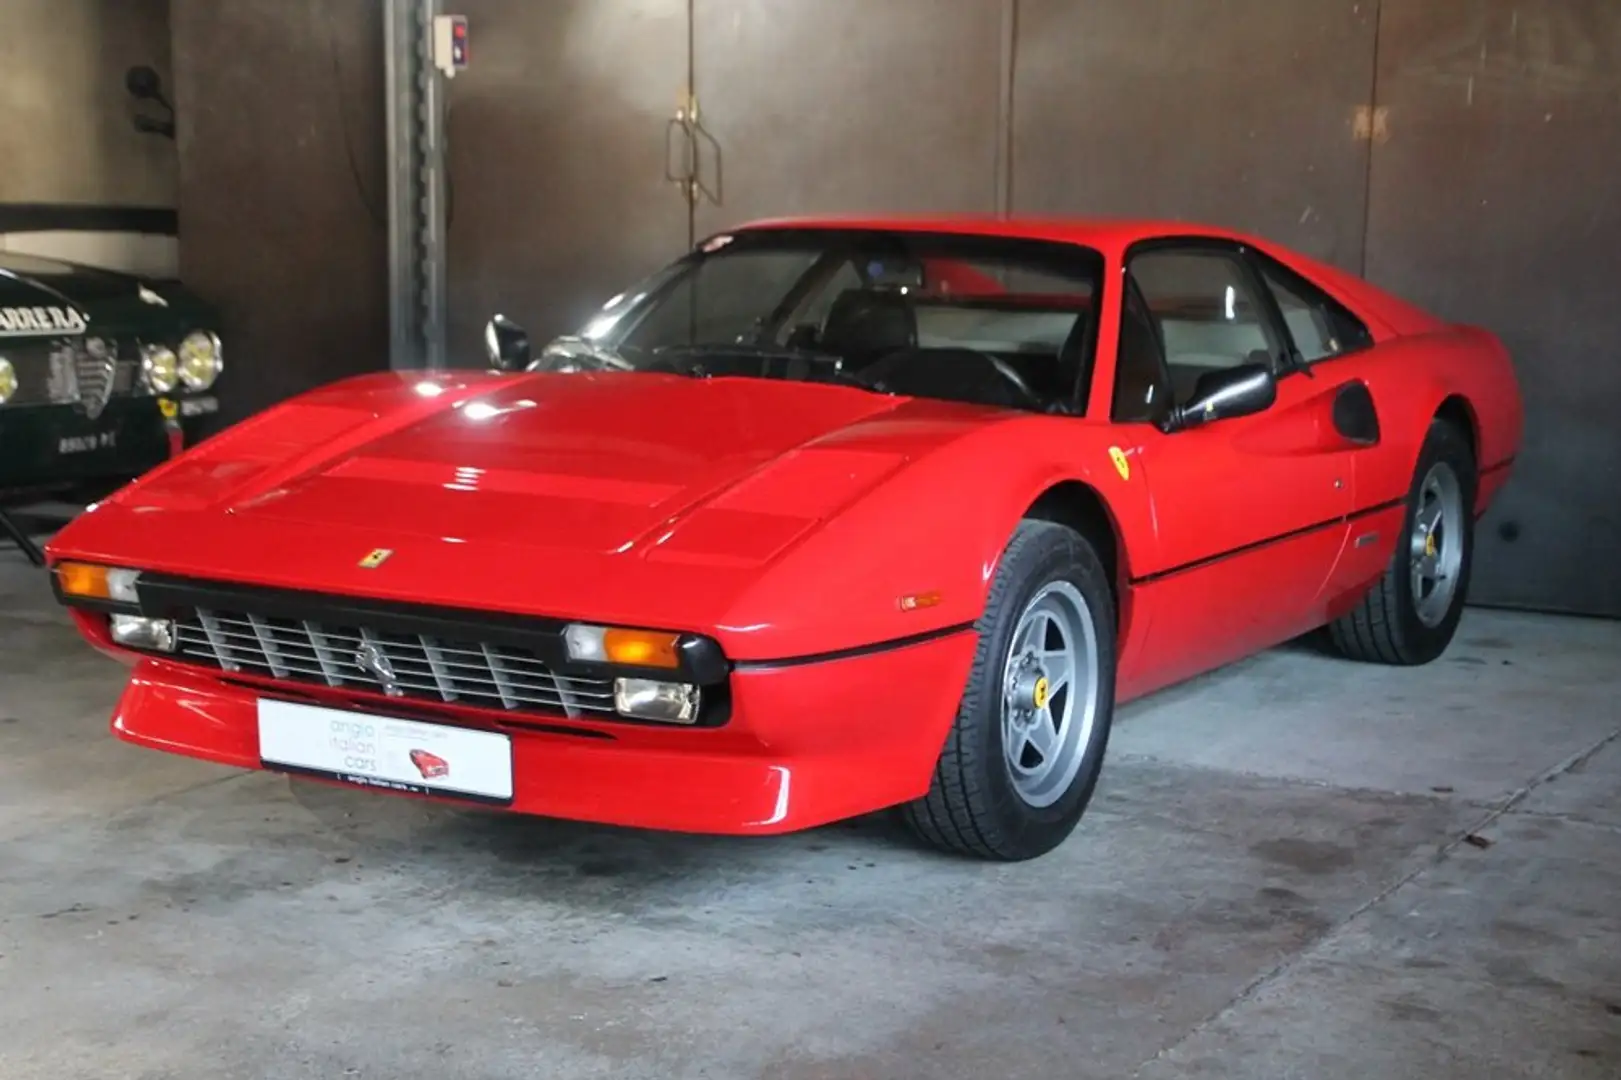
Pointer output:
x,y
865,324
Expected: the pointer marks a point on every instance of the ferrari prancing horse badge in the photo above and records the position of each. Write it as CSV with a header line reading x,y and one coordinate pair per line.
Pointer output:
x,y
1121,465
377,558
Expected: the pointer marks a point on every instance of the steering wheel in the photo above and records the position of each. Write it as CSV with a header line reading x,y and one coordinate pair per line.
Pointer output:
x,y
876,373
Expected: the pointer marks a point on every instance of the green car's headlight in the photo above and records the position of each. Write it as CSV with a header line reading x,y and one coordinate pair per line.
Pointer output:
x,y
201,360
160,367
8,380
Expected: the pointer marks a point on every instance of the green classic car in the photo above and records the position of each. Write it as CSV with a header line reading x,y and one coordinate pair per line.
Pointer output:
x,y
103,375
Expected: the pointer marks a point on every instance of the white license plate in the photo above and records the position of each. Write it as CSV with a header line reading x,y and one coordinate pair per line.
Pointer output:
x,y
378,751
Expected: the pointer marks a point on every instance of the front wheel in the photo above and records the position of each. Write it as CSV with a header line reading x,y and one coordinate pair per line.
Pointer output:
x,y
1023,757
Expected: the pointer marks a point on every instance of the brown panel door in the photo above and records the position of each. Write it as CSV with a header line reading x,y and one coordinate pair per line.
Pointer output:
x,y
556,142
1495,202
1238,114
837,106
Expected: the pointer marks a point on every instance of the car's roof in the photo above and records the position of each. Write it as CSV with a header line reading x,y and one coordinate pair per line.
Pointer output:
x,y
1103,234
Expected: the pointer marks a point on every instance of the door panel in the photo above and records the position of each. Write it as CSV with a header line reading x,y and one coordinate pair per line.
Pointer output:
x,y
555,135
846,106
1250,522
1250,513
1492,202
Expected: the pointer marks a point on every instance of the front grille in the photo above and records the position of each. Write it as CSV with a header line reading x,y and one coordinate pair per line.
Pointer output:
x,y
88,372
409,666
94,362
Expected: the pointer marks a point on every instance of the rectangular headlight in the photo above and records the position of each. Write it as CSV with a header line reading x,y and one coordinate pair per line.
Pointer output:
x,y
137,632
649,699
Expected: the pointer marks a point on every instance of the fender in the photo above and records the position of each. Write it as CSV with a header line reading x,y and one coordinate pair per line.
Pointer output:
x,y
1461,365
916,554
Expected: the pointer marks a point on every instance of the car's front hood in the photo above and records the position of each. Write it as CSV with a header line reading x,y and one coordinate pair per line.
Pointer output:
x,y
601,464
43,297
31,308
560,494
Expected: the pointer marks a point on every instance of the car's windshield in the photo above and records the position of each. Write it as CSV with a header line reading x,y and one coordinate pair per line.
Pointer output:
x,y
984,319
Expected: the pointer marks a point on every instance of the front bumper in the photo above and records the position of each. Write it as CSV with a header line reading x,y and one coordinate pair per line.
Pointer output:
x,y
44,447
806,744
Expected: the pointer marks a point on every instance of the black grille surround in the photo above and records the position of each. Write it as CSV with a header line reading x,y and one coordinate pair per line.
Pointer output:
x,y
412,653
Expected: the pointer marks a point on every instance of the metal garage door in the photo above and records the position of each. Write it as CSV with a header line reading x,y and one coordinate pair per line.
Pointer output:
x,y
841,106
1238,113
557,197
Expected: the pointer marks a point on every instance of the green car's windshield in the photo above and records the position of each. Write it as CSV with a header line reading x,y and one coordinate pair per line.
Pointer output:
x,y
984,319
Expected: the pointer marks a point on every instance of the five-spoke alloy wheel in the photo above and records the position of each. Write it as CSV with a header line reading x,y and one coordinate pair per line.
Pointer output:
x,y
1022,758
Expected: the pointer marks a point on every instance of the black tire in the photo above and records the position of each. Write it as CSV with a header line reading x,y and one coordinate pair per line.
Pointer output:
x,y
1385,627
973,807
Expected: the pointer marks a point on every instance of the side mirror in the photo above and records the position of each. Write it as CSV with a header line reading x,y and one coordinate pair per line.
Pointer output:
x,y
507,344
1224,394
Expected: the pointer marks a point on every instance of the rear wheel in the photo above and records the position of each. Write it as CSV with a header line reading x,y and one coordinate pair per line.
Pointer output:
x,y
1411,616
1023,757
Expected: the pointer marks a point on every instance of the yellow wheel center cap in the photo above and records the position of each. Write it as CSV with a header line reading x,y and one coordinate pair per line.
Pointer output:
x,y
1429,545
1042,692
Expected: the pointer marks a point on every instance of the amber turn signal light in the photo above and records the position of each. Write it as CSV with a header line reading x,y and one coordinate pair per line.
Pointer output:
x,y
640,648
87,581
615,645
83,580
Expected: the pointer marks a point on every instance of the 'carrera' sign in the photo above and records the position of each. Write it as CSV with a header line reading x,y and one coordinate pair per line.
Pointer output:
x,y
24,321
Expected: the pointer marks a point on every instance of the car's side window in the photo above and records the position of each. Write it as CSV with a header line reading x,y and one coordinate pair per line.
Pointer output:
x,y
1140,392
1209,316
1321,326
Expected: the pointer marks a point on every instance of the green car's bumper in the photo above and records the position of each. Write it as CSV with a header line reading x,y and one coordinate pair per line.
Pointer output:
x,y
55,447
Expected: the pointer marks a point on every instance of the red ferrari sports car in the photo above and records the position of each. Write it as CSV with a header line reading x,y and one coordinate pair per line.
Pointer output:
x,y
828,516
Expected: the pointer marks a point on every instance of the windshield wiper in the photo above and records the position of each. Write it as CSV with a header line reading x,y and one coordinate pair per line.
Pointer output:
x,y
829,365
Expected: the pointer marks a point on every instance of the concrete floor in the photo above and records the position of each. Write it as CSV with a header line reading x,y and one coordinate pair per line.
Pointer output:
x,y
1295,867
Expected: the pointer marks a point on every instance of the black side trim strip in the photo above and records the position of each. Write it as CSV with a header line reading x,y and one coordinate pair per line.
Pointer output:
x,y
852,653
1293,534
1499,467
72,217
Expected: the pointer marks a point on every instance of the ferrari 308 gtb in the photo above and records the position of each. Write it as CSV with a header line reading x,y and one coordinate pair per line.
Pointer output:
x,y
826,517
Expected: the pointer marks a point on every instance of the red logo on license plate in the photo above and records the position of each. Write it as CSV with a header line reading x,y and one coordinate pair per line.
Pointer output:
x,y
431,766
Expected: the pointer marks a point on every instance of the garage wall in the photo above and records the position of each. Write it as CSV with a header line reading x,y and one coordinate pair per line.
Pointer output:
x,y
65,131
1494,201
283,197
846,106
1240,113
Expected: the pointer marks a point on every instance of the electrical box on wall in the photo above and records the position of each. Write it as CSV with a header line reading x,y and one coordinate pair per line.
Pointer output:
x,y
450,43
